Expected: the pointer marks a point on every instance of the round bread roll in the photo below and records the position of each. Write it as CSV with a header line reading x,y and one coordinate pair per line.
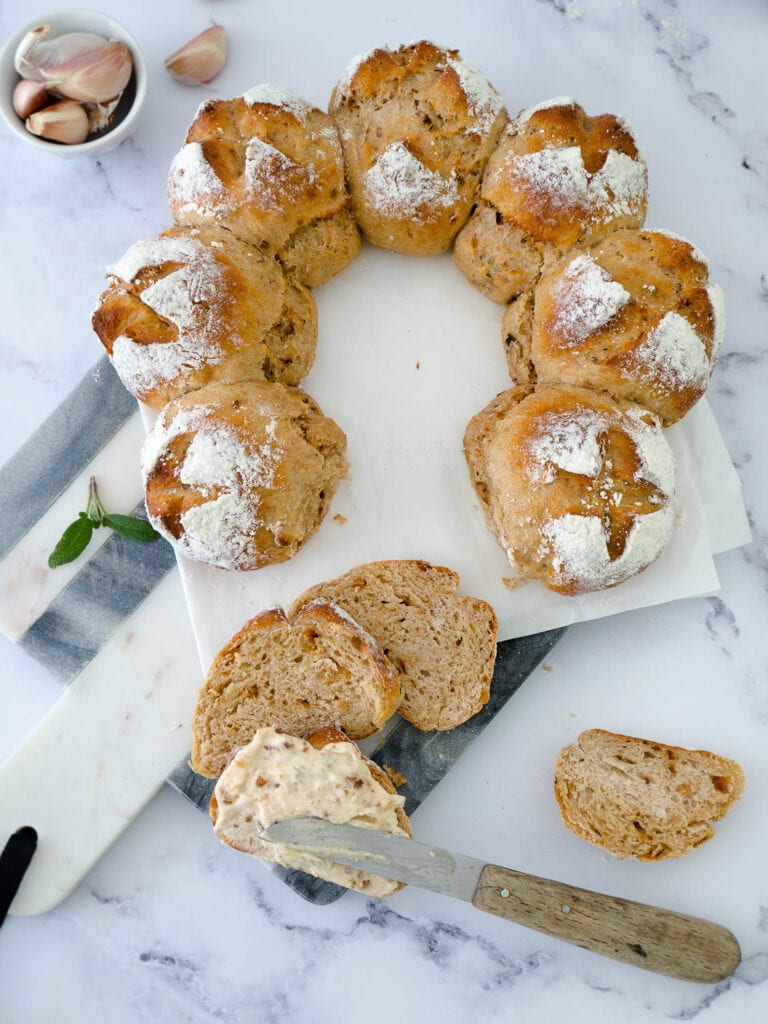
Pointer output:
x,y
269,167
576,486
241,475
417,125
557,179
194,306
635,315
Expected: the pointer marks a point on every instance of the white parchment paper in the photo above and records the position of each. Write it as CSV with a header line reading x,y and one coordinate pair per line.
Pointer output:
x,y
408,352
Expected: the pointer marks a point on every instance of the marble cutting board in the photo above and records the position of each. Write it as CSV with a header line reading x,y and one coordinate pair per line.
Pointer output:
x,y
103,626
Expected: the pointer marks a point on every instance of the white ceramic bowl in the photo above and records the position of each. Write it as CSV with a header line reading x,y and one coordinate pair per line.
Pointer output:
x,y
77,19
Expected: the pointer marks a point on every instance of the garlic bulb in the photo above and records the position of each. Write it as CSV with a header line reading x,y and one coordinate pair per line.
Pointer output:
x,y
201,59
36,51
29,97
63,122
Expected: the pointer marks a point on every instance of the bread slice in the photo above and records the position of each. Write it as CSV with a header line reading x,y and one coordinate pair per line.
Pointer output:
x,y
278,776
637,798
317,668
443,645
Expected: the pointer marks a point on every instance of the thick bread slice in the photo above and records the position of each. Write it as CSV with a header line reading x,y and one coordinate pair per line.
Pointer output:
x,y
443,645
317,668
278,776
638,798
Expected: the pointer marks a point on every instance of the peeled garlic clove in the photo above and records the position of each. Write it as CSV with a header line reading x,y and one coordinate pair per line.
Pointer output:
x,y
29,97
63,122
201,59
36,51
93,77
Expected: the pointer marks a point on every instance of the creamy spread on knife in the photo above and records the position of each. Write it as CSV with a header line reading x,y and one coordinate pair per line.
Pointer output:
x,y
277,777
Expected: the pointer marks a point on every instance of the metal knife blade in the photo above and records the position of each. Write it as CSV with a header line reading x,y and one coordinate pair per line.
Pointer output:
x,y
395,857
650,937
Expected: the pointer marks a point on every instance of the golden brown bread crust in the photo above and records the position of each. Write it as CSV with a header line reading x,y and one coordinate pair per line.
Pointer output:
x,y
244,690
274,462
656,345
576,486
223,313
638,798
270,172
417,125
543,193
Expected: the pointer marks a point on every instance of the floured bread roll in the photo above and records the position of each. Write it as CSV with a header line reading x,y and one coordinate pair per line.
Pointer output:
x,y
197,305
277,776
576,486
417,125
557,179
634,315
241,475
268,166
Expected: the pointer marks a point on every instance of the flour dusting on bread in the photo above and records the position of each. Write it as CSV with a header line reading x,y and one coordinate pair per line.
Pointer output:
x,y
586,299
399,185
277,96
483,101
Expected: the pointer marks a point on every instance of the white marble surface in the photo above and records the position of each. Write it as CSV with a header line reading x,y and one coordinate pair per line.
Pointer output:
x,y
172,927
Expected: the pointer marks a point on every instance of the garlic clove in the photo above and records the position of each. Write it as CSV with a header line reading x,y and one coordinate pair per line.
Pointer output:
x,y
36,51
100,114
29,97
96,76
63,122
201,59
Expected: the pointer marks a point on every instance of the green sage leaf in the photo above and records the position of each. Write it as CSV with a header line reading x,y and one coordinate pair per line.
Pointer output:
x,y
73,542
131,527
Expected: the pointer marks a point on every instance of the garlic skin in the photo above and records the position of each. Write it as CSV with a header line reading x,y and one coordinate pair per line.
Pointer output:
x,y
36,51
96,76
201,59
100,114
29,97
65,122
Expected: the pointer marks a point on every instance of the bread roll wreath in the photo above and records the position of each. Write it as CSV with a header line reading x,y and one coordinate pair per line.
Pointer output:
x,y
545,213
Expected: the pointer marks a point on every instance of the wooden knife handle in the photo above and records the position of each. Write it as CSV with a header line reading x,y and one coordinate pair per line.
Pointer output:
x,y
650,937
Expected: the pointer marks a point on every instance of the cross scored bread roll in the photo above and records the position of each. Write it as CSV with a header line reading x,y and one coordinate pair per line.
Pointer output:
x,y
278,776
317,667
634,315
268,166
196,305
241,475
638,798
576,486
417,125
557,179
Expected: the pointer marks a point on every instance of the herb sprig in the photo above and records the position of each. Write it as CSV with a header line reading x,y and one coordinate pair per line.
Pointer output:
x,y
77,535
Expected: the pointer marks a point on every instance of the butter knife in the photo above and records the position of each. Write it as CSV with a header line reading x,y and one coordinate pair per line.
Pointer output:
x,y
650,937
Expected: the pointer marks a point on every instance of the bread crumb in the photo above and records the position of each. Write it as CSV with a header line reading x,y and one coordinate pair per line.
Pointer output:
x,y
397,778
548,668
418,365
340,519
511,583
